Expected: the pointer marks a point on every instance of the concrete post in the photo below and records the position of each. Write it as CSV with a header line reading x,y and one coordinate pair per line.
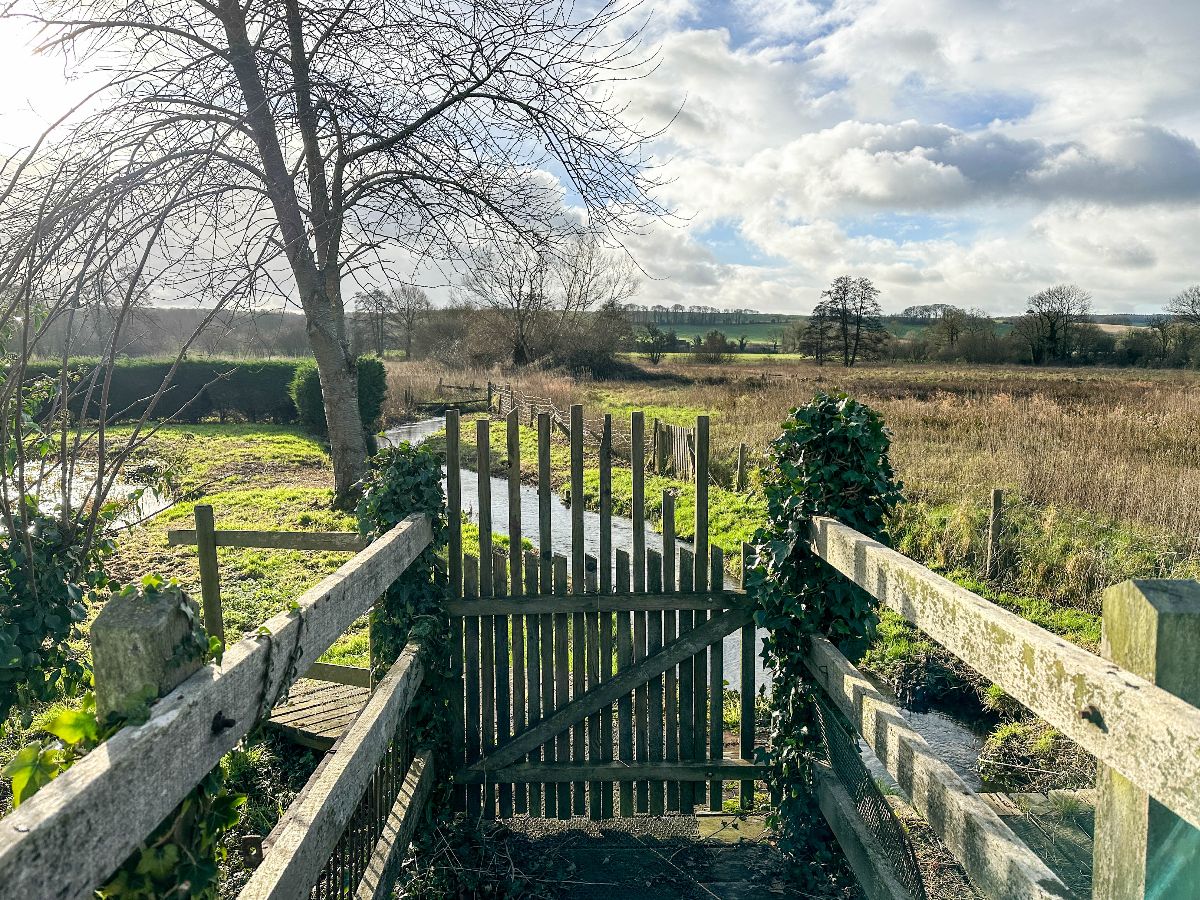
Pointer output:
x,y
135,640
1152,629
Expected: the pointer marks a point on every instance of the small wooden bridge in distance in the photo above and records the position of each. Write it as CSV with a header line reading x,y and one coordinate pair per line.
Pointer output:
x,y
590,714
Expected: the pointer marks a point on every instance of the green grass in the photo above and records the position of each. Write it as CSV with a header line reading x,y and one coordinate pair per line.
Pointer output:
x,y
197,456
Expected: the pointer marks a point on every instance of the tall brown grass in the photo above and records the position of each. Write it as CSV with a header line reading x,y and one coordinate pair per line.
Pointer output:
x,y
1118,445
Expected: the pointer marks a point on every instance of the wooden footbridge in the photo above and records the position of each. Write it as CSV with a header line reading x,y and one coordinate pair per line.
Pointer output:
x,y
592,689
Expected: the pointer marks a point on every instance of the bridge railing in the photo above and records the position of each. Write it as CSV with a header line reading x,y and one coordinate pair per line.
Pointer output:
x,y
77,830
1145,735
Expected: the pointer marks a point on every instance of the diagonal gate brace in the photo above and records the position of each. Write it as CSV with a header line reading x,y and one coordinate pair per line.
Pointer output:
x,y
691,643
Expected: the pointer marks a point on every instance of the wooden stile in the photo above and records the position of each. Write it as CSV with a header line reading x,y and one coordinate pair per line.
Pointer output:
x,y
625,702
716,689
654,704
746,723
471,677
687,709
670,629
562,686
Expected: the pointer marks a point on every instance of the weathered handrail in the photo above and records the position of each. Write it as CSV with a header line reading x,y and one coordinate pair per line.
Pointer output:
x,y
61,843
996,860
312,826
1147,734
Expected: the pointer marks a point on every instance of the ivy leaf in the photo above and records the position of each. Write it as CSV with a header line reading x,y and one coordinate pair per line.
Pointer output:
x,y
73,726
33,767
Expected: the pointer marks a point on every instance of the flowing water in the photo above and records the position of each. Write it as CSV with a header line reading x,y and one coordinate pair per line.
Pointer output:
x,y
951,741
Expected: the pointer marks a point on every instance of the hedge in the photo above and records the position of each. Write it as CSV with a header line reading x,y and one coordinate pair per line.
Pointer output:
x,y
255,390
372,389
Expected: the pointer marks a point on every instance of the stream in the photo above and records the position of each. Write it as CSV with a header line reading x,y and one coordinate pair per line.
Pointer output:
x,y
950,740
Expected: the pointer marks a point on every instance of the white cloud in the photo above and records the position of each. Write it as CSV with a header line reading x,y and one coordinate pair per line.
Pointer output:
x,y
961,150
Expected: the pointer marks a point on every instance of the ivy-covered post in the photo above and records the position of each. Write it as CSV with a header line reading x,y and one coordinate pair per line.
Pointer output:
x,y
406,480
830,460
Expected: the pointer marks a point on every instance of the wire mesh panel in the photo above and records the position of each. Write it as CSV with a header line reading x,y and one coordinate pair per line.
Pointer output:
x,y
347,864
873,808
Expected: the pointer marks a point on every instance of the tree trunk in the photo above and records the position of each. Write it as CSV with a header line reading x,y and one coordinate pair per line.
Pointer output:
x,y
339,391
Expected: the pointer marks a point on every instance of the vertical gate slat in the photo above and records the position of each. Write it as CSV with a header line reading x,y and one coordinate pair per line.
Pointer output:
x,y
625,702
486,589
746,737
503,676
516,585
637,469
454,566
670,628
686,706
533,634
606,619
561,681
716,687
595,806
454,502
473,663
578,628
640,713
547,580
700,574
654,707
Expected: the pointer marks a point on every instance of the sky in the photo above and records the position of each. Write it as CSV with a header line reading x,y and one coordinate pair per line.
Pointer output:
x,y
954,151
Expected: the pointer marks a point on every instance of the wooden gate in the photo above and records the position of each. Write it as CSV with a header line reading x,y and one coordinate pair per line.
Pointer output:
x,y
592,684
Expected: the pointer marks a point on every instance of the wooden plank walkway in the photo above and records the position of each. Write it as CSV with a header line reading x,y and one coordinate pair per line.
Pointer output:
x,y
317,712
1058,826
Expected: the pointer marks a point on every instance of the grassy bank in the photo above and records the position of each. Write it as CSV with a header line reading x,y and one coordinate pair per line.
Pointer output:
x,y
255,477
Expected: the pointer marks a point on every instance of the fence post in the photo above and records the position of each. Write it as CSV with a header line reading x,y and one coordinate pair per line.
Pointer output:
x,y
995,520
740,483
134,650
489,395
210,576
1152,629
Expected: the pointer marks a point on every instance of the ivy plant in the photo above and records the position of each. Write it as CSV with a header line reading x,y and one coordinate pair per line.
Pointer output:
x,y
405,480
831,460
181,858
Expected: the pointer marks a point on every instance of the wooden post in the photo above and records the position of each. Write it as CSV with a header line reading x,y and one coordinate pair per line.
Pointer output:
x,y
1152,629
993,540
210,576
489,396
740,483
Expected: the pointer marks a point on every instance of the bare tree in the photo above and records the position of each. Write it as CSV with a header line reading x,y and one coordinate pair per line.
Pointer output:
x,y
409,307
539,294
315,140
1052,324
1185,306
